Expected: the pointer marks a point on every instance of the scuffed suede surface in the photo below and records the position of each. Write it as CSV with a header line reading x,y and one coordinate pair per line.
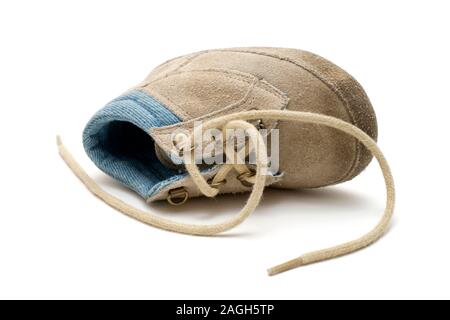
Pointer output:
x,y
320,156
210,93
196,93
345,86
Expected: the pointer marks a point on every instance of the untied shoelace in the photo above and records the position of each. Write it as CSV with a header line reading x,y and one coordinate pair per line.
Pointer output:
x,y
211,188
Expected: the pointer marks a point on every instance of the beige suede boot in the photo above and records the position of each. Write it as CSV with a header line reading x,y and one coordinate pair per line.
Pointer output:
x,y
315,118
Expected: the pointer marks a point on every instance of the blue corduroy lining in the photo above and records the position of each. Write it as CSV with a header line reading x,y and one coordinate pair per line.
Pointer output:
x,y
117,141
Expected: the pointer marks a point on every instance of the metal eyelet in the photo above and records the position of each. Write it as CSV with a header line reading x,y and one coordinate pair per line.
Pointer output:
x,y
216,184
178,196
182,150
260,124
179,147
243,176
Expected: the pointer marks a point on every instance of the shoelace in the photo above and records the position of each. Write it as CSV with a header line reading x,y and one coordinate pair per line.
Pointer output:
x,y
239,120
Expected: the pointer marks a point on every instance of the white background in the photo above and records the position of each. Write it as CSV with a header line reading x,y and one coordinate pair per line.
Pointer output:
x,y
60,61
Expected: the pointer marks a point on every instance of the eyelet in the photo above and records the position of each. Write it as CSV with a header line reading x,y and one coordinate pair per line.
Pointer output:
x,y
243,176
260,124
178,196
181,137
216,184
181,151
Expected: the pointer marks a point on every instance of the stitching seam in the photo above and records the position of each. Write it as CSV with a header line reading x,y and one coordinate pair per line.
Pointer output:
x,y
262,84
331,86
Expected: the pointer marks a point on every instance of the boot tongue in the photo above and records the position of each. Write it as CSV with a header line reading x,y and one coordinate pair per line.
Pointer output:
x,y
117,141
